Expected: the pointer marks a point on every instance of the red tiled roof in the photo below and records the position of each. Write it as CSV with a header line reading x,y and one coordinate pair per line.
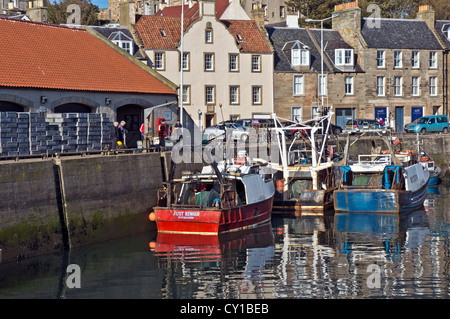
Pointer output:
x,y
38,55
149,29
251,39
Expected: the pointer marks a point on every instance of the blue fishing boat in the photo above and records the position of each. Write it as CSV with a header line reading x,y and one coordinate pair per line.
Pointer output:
x,y
381,183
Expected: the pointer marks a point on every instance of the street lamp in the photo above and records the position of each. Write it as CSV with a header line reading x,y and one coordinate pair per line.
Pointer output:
x,y
321,52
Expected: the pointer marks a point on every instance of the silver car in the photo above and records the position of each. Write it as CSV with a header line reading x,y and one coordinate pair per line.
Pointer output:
x,y
218,132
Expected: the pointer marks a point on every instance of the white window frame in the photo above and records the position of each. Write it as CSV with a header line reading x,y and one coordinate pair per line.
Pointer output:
x,y
297,116
231,67
234,94
415,59
398,86
256,95
208,36
256,63
315,113
323,85
415,86
186,61
344,57
348,85
398,59
186,94
381,87
433,60
299,57
381,58
209,62
433,85
159,60
298,85
210,94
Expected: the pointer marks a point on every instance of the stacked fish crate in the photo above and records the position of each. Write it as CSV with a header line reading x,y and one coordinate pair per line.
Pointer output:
x,y
40,133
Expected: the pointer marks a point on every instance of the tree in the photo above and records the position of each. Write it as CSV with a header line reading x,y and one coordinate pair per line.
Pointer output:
x,y
57,11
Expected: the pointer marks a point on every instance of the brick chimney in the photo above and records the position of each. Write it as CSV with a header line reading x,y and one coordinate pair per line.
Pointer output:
x,y
427,13
258,16
127,13
292,19
348,21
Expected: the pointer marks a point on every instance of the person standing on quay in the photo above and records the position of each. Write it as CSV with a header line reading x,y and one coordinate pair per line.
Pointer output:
x,y
115,135
162,133
122,134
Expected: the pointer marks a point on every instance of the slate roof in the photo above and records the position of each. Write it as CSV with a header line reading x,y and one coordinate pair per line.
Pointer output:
x,y
399,34
332,40
108,32
149,30
439,25
59,57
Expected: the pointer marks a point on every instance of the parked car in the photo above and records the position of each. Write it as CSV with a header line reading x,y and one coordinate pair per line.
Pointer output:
x,y
335,129
433,123
363,125
219,131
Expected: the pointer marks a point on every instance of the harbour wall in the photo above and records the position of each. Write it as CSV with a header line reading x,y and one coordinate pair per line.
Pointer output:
x,y
52,204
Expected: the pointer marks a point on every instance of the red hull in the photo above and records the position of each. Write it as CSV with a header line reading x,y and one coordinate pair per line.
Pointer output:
x,y
201,221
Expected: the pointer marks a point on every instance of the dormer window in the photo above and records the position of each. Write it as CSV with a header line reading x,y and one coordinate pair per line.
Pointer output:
x,y
446,30
299,54
163,33
122,40
344,57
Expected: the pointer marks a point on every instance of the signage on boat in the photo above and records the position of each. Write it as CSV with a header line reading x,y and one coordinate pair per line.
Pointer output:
x,y
185,215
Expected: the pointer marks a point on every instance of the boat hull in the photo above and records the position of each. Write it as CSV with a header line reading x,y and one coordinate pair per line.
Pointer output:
x,y
378,200
434,179
310,201
210,221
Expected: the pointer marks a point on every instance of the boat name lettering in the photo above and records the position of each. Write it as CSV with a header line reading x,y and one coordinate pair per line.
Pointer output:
x,y
186,214
414,178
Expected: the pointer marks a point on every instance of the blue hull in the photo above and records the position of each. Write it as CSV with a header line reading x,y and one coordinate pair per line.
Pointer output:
x,y
433,180
359,200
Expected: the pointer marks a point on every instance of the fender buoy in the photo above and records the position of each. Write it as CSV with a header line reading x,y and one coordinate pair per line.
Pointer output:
x,y
152,216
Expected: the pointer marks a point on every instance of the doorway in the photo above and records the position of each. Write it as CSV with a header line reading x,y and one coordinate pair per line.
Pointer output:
x,y
399,118
133,115
416,113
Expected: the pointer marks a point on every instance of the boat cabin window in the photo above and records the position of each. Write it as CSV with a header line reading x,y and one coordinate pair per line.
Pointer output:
x,y
200,194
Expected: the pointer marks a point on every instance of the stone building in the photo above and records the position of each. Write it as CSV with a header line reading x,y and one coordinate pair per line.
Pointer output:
x,y
225,62
298,70
442,29
35,10
402,61
72,71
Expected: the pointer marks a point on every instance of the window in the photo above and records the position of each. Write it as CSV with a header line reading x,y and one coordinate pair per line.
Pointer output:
x,y
349,85
234,94
208,36
415,86
209,61
380,59
398,56
299,85
297,114
159,61
446,30
234,63
380,85
344,57
433,86
163,33
433,60
210,94
256,94
315,112
398,86
186,94
322,85
256,63
299,57
415,59
282,12
186,61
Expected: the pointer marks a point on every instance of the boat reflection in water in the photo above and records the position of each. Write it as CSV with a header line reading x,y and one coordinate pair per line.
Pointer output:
x,y
211,248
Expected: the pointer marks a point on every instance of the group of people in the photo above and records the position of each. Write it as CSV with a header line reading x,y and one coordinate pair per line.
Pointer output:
x,y
120,133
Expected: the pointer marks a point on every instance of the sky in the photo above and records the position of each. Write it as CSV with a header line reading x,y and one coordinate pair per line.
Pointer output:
x,y
100,3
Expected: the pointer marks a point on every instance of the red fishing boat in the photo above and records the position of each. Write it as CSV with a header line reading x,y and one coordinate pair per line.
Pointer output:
x,y
224,197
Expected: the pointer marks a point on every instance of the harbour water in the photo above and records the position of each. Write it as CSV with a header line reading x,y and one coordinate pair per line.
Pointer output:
x,y
342,256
